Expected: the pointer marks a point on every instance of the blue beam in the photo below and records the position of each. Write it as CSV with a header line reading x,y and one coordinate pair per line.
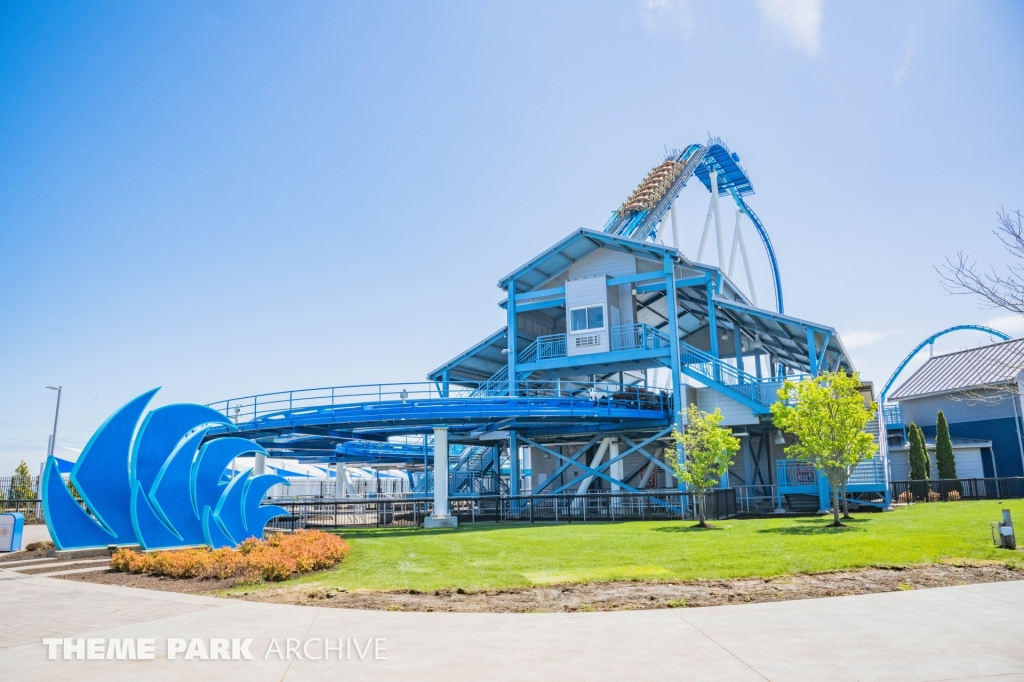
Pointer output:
x,y
540,305
712,319
812,352
673,338
541,293
512,341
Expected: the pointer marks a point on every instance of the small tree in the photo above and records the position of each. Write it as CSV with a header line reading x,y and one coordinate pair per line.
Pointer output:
x,y
827,415
918,454
944,460
21,484
707,454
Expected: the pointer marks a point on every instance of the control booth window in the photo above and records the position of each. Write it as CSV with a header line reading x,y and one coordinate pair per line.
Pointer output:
x,y
591,317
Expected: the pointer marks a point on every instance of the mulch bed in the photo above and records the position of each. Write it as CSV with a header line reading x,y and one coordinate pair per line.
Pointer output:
x,y
612,596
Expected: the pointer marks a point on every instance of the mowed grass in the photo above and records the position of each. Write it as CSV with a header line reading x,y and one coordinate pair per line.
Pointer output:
x,y
494,556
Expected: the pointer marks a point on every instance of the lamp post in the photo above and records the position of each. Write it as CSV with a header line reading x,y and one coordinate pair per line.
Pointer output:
x,y
56,415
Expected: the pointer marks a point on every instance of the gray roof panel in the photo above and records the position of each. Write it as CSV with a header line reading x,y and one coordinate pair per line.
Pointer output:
x,y
992,365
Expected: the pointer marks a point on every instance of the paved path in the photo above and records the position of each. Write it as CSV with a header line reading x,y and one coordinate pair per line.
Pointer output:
x,y
973,632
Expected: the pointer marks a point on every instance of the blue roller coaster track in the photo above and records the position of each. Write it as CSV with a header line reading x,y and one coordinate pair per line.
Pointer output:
x,y
699,160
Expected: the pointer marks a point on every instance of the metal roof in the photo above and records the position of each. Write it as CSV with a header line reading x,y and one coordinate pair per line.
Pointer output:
x,y
992,365
574,247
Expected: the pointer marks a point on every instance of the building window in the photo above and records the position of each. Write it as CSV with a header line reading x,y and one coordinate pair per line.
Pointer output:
x,y
591,317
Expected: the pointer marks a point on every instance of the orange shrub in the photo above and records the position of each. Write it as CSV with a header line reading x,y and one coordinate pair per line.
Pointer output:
x,y
276,559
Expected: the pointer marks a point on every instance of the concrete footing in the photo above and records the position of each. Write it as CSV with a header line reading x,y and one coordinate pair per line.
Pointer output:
x,y
440,522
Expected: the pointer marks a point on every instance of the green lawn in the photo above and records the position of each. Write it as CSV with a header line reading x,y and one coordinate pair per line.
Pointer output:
x,y
490,556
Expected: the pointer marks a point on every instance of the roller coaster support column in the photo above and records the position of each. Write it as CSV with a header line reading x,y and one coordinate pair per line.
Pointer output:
x,y
675,226
513,464
440,518
259,467
707,221
513,382
615,470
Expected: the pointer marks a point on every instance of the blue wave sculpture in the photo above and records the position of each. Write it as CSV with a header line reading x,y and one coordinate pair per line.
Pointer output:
x,y
161,488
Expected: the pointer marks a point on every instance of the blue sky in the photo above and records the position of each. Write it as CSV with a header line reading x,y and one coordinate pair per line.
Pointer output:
x,y
233,198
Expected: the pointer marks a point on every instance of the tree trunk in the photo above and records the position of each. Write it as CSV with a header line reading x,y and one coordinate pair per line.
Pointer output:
x,y
701,515
835,504
846,504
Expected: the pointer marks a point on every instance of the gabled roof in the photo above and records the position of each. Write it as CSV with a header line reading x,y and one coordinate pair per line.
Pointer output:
x,y
577,245
993,365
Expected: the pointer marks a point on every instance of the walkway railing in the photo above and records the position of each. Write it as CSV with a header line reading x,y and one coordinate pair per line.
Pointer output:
x,y
308,402
796,473
715,370
720,504
893,415
638,337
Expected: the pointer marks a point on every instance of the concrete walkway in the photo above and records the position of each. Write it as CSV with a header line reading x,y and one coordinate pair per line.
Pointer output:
x,y
956,633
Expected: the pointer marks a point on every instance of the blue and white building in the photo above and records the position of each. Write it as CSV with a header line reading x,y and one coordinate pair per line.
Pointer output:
x,y
609,334
979,392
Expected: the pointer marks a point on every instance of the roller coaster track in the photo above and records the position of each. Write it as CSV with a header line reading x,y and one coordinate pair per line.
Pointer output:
x,y
641,225
931,339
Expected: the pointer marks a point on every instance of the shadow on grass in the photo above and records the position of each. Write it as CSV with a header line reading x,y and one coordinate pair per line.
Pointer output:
x,y
817,526
686,529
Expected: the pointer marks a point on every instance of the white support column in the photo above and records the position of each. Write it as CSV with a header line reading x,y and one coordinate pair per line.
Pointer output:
x,y
598,456
743,255
440,518
615,470
735,247
675,227
259,467
718,219
527,470
707,228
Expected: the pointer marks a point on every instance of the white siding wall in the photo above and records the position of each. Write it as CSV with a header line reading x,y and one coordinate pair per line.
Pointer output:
x,y
587,292
957,408
603,262
968,463
735,413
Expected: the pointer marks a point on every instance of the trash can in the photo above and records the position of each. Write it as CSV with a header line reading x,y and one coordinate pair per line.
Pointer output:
x,y
11,526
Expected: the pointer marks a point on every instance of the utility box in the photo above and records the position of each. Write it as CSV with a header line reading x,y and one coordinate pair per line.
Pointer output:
x,y
1002,532
11,526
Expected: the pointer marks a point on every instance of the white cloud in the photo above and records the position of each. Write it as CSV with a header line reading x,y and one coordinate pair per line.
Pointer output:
x,y
862,337
795,22
664,16
1008,324
908,56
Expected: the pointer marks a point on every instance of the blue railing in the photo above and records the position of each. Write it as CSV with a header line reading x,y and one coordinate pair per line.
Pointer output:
x,y
893,415
623,337
638,337
760,390
309,402
796,473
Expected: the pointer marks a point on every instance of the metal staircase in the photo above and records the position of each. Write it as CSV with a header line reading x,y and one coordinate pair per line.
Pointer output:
x,y
757,393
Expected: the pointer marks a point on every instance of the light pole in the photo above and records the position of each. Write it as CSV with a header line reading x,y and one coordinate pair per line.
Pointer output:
x,y
56,415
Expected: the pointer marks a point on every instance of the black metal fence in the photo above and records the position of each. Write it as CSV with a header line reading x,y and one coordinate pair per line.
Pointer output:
x,y
21,486
956,489
720,504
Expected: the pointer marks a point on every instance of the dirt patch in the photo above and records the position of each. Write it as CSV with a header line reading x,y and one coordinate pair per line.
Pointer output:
x,y
620,596
149,582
